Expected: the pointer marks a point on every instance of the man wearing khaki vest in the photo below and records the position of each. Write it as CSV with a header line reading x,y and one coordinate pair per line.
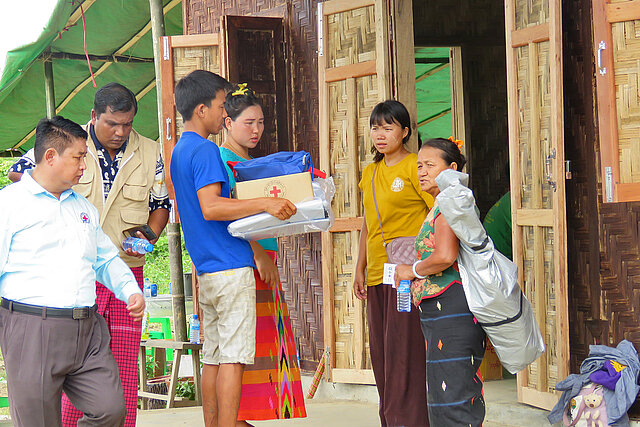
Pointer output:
x,y
124,180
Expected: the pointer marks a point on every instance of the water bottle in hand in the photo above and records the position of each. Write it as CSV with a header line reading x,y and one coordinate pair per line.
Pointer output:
x,y
194,330
404,296
136,244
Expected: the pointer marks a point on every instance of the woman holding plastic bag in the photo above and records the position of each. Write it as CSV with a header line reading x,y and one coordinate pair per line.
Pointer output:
x,y
271,387
455,340
395,340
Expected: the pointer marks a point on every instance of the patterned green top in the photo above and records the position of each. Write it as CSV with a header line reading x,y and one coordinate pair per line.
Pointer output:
x,y
434,284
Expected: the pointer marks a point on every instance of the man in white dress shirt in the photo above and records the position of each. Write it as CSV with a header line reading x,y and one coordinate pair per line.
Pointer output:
x,y
52,251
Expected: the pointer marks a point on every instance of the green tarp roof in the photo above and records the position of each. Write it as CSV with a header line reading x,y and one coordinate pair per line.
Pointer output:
x,y
433,92
114,27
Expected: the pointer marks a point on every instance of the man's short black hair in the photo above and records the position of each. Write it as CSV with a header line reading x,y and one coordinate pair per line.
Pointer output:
x,y
116,97
57,133
198,87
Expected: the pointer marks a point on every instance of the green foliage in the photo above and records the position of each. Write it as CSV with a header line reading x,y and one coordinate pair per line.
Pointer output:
x,y
5,164
186,389
157,264
149,365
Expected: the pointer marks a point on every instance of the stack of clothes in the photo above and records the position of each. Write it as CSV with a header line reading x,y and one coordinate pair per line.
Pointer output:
x,y
615,370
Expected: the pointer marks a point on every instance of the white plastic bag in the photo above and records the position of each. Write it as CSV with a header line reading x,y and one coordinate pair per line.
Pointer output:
x,y
489,279
312,216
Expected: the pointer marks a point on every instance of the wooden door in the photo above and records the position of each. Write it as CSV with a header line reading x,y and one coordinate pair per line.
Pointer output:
x,y
180,56
353,74
256,55
536,155
617,49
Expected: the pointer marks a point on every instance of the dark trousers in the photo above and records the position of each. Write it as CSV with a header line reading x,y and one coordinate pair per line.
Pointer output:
x,y
455,348
398,358
45,356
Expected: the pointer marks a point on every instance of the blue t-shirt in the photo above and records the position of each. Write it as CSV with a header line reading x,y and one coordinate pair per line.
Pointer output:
x,y
196,163
228,155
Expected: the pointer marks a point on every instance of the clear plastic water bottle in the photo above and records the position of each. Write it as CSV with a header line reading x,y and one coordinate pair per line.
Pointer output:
x,y
404,296
136,244
194,330
145,326
147,288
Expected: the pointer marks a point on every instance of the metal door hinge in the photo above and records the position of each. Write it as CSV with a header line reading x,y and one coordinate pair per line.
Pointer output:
x,y
165,48
601,47
567,169
608,187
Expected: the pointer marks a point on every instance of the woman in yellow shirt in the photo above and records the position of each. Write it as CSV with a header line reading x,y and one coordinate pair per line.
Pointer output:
x,y
395,339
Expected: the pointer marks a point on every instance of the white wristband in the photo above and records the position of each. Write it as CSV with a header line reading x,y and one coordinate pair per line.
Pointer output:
x,y
415,273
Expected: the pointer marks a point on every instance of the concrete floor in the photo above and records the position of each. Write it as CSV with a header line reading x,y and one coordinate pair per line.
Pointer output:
x,y
348,405
329,408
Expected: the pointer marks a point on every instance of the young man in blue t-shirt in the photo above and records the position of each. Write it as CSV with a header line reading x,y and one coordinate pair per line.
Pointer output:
x,y
224,263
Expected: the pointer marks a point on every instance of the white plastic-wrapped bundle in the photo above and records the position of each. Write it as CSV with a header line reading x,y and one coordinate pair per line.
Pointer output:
x,y
312,216
489,279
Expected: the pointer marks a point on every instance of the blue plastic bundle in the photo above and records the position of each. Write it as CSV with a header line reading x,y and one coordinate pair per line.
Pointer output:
x,y
276,164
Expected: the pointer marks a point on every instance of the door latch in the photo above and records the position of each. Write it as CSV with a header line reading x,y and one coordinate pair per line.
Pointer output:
x,y
567,169
548,164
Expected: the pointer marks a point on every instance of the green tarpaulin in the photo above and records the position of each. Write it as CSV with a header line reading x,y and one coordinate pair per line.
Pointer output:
x,y
111,25
433,92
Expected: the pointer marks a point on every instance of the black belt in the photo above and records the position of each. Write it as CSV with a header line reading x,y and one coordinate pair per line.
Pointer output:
x,y
76,313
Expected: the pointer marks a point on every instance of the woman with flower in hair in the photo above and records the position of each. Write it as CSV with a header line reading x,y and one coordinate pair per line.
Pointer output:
x,y
455,340
271,387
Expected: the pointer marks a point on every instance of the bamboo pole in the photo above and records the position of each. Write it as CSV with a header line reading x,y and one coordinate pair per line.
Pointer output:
x,y
49,93
173,229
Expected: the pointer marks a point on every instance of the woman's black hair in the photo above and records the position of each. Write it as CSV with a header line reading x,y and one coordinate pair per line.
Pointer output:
x,y
450,151
389,111
236,102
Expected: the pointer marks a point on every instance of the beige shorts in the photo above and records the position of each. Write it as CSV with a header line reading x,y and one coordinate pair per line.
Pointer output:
x,y
228,302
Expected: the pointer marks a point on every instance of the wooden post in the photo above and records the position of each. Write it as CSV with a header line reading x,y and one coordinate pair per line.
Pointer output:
x,y
50,98
177,281
173,229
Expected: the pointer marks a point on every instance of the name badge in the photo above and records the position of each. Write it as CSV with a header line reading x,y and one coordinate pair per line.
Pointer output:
x,y
389,274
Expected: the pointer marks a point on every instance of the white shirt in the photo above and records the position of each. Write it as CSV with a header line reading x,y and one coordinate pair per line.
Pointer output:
x,y
53,251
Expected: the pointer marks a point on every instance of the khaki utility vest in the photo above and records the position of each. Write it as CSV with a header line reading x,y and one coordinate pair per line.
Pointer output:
x,y
127,204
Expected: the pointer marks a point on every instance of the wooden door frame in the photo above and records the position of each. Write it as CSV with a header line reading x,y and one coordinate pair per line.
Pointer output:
x,y
230,24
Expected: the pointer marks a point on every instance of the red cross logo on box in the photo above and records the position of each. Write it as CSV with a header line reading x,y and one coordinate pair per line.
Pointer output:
x,y
275,191
275,188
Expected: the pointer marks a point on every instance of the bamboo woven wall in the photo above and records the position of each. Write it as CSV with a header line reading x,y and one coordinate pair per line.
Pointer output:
x,y
603,238
299,258
477,26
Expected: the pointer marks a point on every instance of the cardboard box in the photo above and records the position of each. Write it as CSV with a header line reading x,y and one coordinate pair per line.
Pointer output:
x,y
490,368
295,187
